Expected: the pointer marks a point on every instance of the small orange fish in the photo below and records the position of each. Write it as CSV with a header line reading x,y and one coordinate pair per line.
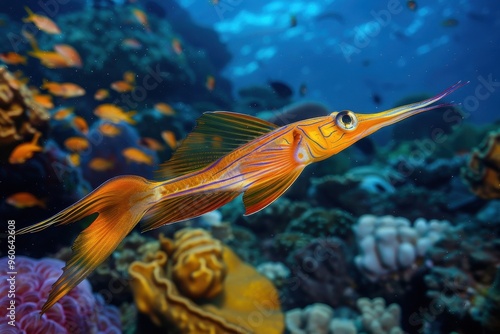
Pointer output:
x,y
101,94
44,100
63,113
101,164
109,130
74,159
25,151
81,124
141,17
12,58
169,138
76,144
113,113
72,56
165,109
49,59
176,45
256,159
63,89
42,22
133,154
122,86
132,43
129,77
23,200
210,83
151,143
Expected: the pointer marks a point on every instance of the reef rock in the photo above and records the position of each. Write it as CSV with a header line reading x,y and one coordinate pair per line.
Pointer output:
x,y
20,116
482,173
320,274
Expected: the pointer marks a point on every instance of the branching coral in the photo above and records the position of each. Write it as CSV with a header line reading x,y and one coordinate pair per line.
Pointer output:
x,y
20,116
483,170
244,295
318,318
379,319
391,245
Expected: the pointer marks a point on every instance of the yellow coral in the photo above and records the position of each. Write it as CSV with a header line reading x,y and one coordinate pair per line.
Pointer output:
x,y
197,266
483,171
247,302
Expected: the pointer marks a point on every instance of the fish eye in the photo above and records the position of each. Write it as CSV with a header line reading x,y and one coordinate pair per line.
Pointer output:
x,y
346,120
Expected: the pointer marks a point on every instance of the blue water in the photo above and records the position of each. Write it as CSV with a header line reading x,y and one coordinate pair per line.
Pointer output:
x,y
365,47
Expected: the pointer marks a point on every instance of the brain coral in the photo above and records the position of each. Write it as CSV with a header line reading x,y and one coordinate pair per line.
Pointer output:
x,y
247,302
197,266
77,312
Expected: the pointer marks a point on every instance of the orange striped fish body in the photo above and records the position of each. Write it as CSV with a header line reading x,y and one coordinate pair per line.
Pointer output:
x,y
226,154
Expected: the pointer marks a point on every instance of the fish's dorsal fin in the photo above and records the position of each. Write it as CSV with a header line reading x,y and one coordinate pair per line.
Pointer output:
x,y
215,135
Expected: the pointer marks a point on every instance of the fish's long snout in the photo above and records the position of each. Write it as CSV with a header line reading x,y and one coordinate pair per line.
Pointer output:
x,y
374,122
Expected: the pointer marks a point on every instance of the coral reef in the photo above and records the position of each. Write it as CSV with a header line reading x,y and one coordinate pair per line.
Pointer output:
x,y
482,173
243,291
319,318
197,267
490,311
20,116
391,245
315,318
381,192
277,272
321,274
78,312
272,218
379,319
319,222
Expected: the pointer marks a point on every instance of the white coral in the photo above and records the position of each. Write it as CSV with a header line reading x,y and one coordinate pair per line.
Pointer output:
x,y
389,244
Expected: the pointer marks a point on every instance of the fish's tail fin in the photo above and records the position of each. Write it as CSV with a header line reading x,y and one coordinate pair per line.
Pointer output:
x,y
120,203
131,114
30,14
36,137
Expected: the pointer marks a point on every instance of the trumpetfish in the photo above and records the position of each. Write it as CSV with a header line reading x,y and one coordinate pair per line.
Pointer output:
x,y
226,154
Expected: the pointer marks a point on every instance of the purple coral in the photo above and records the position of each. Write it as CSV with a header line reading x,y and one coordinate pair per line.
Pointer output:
x,y
78,312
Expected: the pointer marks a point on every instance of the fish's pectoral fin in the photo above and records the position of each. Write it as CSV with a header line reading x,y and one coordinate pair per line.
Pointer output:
x,y
260,196
185,207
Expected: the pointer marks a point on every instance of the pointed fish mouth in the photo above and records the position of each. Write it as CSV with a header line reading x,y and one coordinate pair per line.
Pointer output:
x,y
374,122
